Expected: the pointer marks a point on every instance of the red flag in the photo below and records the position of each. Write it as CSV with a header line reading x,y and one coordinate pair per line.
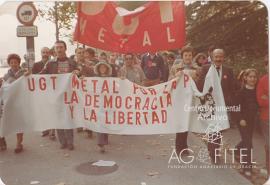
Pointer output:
x,y
153,27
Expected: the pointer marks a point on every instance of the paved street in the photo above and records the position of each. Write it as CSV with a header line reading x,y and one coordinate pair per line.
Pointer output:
x,y
141,160
219,48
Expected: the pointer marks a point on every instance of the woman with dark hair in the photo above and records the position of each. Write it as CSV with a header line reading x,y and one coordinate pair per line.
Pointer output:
x,y
13,73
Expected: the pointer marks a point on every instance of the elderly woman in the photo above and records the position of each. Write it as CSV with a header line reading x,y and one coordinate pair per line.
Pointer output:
x,y
102,69
13,73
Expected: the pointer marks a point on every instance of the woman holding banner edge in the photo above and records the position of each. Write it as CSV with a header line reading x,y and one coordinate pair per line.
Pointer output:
x,y
13,74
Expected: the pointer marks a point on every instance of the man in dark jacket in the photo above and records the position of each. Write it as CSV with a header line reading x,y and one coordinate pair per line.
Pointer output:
x,y
45,56
225,75
227,84
153,68
60,65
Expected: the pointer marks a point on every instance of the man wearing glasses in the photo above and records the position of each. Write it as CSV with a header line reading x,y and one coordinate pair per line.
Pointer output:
x,y
131,71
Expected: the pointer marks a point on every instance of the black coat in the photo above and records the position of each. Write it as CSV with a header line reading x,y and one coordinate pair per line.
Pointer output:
x,y
246,98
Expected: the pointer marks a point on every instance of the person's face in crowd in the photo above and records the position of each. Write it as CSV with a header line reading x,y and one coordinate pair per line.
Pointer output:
x,y
87,55
152,55
103,58
218,57
201,60
60,50
187,57
251,79
45,53
52,52
14,64
170,60
79,54
129,60
165,57
139,56
103,69
113,57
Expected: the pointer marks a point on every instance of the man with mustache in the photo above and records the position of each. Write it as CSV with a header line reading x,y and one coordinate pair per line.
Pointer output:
x,y
227,82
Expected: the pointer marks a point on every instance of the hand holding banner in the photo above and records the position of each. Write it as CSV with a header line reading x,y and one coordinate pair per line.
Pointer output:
x,y
111,105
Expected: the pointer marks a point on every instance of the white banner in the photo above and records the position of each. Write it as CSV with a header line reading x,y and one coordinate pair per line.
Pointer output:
x,y
111,105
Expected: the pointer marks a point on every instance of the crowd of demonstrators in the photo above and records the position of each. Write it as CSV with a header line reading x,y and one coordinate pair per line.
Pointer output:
x,y
154,68
252,98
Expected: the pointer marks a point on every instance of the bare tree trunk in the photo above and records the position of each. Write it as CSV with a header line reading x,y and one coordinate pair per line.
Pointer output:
x,y
56,21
